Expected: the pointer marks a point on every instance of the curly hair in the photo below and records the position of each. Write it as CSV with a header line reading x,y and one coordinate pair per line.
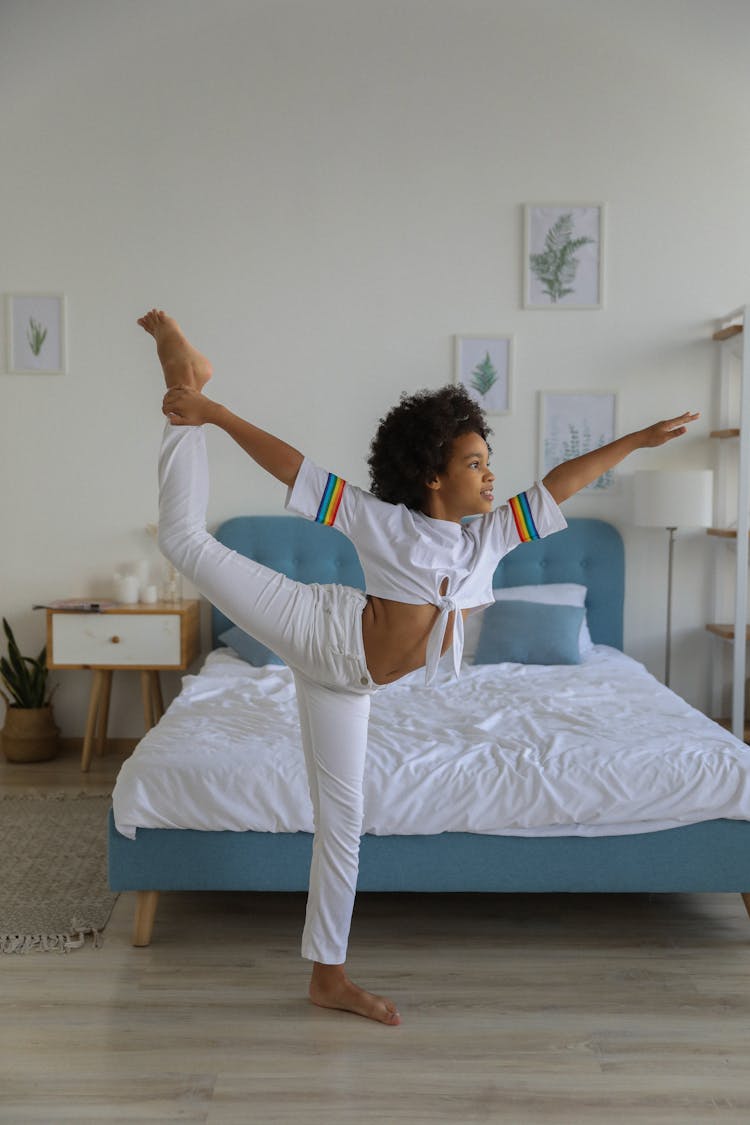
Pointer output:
x,y
413,442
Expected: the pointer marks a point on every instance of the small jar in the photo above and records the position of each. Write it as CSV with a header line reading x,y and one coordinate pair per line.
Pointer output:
x,y
126,589
171,588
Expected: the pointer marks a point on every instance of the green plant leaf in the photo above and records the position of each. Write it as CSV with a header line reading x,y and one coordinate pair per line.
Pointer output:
x,y
24,676
484,375
556,266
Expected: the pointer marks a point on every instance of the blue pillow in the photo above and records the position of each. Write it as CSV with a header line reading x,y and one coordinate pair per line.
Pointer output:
x,y
530,633
246,647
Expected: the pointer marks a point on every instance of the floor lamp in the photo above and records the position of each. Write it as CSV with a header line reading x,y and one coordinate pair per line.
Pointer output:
x,y
672,498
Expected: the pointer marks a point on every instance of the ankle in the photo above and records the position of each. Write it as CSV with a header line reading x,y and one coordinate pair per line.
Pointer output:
x,y
327,974
178,374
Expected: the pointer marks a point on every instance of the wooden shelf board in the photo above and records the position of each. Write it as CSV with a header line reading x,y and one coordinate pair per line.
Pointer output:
x,y
728,332
723,532
726,632
731,433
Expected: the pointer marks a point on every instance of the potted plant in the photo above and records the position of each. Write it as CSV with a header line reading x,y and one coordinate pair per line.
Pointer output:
x,y
30,733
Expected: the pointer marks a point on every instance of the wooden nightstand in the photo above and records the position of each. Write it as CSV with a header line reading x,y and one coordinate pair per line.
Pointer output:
x,y
143,638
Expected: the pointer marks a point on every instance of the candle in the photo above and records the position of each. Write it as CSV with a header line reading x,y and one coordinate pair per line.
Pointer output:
x,y
126,588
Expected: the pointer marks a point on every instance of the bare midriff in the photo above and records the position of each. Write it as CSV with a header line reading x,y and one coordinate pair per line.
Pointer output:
x,y
395,636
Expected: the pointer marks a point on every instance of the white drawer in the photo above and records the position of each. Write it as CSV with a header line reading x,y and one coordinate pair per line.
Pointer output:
x,y
116,639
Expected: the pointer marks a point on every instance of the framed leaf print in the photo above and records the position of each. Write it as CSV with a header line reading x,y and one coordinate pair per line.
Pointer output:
x,y
36,333
575,422
564,256
484,366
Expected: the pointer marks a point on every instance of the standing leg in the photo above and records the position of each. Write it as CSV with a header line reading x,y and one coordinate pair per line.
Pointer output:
x,y
334,736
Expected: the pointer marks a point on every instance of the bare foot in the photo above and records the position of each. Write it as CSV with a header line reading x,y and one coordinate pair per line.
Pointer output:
x,y
330,987
183,365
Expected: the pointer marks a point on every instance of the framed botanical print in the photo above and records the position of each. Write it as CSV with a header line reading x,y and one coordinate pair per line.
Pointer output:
x,y
35,330
563,256
484,366
575,422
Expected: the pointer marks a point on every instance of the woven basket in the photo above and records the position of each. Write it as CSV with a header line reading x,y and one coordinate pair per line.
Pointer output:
x,y
30,734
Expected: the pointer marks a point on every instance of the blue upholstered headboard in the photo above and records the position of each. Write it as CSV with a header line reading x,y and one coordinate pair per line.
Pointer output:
x,y
589,552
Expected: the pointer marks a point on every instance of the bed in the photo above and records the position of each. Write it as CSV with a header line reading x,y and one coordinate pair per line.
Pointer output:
x,y
602,830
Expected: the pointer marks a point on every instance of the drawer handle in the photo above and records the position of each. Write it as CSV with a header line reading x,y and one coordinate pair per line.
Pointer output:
x,y
115,640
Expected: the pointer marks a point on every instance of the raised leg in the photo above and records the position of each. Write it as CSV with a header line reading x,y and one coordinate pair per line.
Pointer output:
x,y
270,606
145,912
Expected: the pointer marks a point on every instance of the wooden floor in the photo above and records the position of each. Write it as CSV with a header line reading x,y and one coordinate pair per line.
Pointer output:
x,y
571,1009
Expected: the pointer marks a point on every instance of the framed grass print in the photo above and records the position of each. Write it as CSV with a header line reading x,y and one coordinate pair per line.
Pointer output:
x,y
575,422
563,256
35,333
484,365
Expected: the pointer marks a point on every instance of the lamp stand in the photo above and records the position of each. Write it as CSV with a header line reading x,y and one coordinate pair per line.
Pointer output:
x,y
668,650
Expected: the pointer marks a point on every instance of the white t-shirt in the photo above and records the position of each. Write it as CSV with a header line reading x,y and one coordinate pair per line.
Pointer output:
x,y
406,556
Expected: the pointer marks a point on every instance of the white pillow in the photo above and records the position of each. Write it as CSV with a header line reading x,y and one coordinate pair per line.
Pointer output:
x,y
552,593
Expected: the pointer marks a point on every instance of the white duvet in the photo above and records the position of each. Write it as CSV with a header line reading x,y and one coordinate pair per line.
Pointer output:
x,y
596,749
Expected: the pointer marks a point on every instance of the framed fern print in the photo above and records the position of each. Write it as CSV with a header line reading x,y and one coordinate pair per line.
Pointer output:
x,y
575,422
484,365
36,333
563,256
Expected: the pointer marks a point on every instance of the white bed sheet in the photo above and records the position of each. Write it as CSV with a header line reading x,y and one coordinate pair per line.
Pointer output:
x,y
596,749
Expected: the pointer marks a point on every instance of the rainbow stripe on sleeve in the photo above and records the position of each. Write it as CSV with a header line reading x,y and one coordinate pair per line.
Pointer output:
x,y
525,526
329,505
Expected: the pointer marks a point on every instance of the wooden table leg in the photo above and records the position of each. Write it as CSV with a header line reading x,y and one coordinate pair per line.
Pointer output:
x,y
145,912
153,707
148,708
88,739
106,693
158,700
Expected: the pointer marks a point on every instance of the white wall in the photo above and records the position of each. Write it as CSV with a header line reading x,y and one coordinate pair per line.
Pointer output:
x,y
325,192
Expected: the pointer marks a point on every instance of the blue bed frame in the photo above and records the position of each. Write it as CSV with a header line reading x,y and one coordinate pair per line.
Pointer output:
x,y
710,856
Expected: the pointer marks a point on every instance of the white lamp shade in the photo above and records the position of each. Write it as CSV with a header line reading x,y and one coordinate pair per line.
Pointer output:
x,y
673,497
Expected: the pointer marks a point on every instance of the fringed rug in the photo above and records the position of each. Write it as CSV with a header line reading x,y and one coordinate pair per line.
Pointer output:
x,y
53,871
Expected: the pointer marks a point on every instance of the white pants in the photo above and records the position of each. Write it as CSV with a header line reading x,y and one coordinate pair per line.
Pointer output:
x,y
317,631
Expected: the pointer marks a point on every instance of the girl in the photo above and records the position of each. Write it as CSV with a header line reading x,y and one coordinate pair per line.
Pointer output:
x,y
424,569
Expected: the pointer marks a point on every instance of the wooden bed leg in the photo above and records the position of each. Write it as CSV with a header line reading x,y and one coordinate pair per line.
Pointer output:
x,y
145,912
746,900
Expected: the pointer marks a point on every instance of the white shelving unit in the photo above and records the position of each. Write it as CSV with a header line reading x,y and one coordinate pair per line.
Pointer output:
x,y
733,507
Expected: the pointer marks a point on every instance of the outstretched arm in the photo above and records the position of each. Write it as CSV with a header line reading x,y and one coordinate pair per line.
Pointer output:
x,y
570,477
187,407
